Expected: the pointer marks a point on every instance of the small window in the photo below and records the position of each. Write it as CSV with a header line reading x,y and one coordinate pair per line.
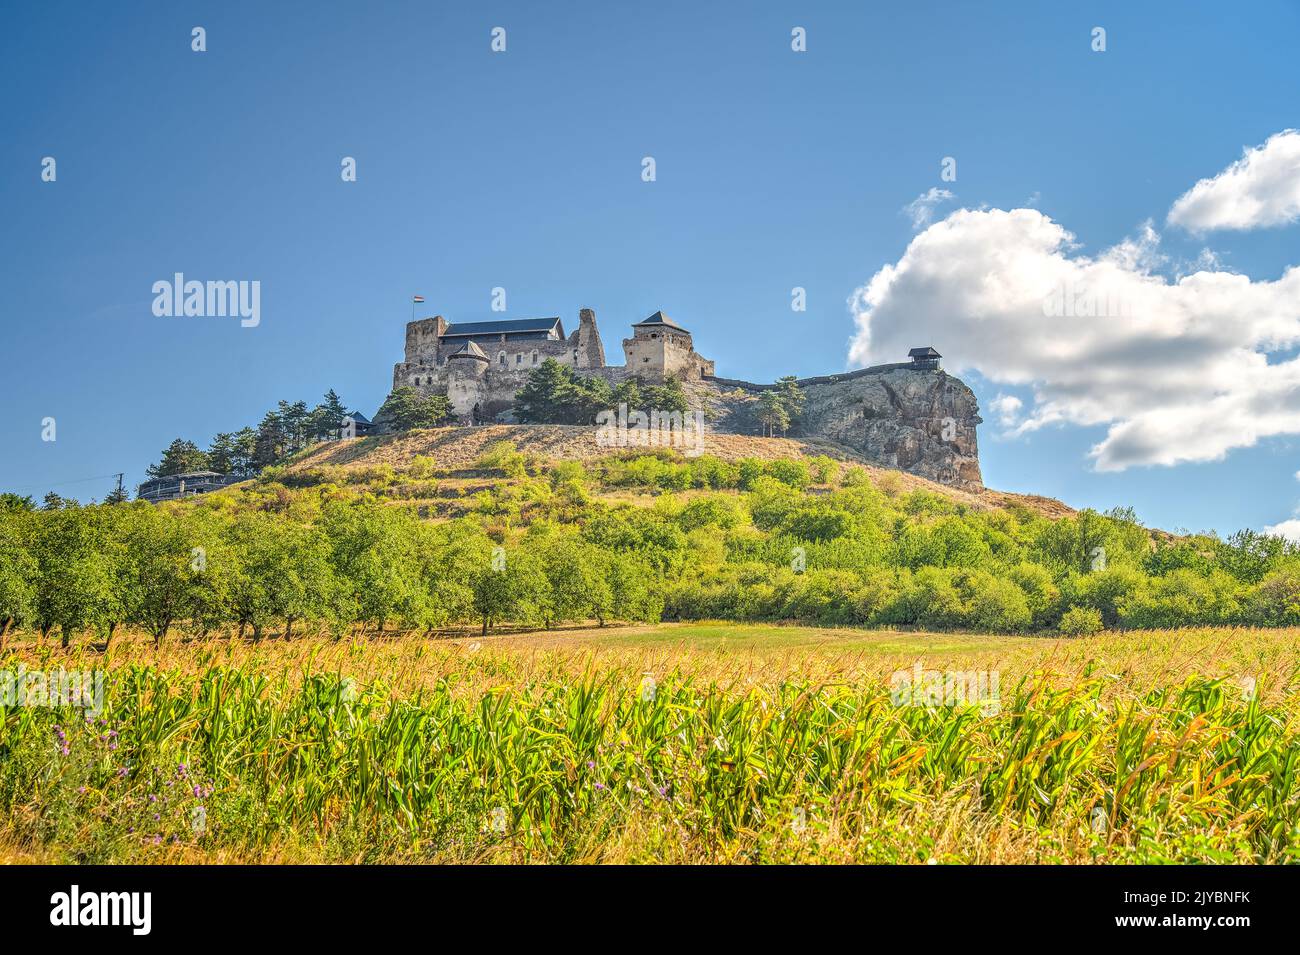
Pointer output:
x,y
502,358
645,360
534,358
519,359
653,335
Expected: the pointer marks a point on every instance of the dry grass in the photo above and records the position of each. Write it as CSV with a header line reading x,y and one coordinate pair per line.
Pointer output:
x,y
457,449
733,655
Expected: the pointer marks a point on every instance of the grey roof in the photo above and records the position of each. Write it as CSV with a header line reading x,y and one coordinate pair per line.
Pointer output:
x,y
358,418
506,327
926,352
659,318
469,350
185,476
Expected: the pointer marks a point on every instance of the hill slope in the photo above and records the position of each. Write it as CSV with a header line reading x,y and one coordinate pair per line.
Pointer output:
x,y
457,449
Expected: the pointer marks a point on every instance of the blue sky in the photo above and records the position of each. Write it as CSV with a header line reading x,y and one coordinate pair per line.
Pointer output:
x,y
522,170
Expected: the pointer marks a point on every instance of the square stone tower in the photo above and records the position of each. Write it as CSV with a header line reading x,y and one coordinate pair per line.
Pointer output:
x,y
660,348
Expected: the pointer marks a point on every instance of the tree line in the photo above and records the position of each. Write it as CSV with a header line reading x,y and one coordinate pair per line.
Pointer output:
x,y
555,394
100,568
283,431
803,539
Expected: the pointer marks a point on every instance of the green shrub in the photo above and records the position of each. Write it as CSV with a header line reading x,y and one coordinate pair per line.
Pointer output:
x,y
1183,598
1041,593
714,511
712,472
749,471
994,604
856,477
378,475
1105,591
824,469
422,468
562,472
504,457
1275,600
791,471
1080,622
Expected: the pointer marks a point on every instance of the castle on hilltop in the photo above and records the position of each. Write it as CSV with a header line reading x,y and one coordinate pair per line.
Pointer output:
x,y
908,415
480,365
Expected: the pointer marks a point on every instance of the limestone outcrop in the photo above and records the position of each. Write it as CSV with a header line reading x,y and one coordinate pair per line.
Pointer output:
x,y
919,420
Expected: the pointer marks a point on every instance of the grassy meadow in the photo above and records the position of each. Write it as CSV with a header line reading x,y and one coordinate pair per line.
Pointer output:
x,y
699,742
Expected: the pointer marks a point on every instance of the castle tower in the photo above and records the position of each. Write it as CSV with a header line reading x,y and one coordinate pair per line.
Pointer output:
x,y
660,348
422,338
466,369
591,352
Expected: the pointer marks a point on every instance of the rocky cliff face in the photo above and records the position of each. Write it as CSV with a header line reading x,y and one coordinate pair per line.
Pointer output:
x,y
920,421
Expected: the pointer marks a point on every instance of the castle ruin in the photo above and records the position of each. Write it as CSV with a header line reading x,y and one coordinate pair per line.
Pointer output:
x,y
909,415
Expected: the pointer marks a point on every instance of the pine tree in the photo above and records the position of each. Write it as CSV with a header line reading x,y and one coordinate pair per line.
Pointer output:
x,y
233,453
327,417
667,398
405,408
792,396
179,457
271,442
547,392
295,417
553,394
772,412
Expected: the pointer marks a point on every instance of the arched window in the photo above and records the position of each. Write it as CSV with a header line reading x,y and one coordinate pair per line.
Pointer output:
x,y
502,358
534,358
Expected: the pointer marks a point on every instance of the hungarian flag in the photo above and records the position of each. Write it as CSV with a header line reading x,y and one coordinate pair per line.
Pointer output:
x,y
417,299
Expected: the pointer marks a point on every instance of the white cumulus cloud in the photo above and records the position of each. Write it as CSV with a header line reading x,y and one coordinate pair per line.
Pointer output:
x,y
921,209
1288,529
1007,408
1175,369
1260,189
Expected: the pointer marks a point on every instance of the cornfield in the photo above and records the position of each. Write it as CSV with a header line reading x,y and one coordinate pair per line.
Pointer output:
x,y
502,755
